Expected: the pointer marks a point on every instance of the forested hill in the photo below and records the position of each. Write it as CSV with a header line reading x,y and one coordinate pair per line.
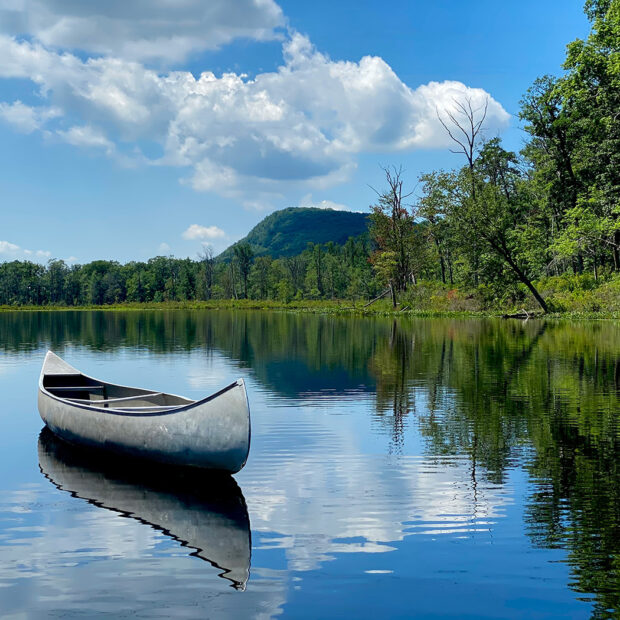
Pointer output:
x,y
288,232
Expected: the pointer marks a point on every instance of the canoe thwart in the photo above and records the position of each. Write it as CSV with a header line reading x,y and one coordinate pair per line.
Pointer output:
x,y
76,388
105,401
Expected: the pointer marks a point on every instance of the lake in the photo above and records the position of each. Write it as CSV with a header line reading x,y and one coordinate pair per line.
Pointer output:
x,y
415,467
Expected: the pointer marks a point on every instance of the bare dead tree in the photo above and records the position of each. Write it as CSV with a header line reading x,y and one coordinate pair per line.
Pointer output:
x,y
467,124
470,126
393,229
465,133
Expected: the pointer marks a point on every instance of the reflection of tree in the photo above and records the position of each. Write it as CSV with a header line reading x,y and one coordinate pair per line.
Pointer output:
x,y
491,388
450,364
576,504
390,364
576,501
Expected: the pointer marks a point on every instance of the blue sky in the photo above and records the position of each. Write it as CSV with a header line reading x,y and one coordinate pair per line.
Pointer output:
x,y
135,129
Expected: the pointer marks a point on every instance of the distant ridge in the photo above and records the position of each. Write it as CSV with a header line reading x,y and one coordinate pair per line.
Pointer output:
x,y
288,231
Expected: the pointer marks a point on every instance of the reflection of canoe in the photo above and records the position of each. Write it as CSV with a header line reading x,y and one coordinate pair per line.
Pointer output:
x,y
213,432
203,511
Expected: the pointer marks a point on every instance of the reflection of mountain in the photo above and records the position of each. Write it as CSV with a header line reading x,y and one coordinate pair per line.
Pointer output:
x,y
290,354
293,379
203,512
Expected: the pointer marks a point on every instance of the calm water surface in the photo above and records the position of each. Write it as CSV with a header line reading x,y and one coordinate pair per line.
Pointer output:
x,y
428,468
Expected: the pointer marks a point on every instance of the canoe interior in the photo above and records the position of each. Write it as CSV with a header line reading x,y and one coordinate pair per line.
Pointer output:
x,y
82,390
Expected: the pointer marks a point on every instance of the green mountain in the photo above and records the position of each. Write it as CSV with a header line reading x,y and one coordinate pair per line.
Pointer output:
x,y
288,231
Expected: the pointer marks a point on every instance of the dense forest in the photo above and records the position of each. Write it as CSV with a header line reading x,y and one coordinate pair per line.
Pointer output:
x,y
320,271
535,228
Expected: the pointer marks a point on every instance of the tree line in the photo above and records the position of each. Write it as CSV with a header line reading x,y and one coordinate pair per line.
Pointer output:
x,y
322,271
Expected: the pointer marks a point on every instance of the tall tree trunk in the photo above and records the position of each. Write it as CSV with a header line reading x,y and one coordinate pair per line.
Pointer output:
x,y
442,262
595,269
521,275
393,292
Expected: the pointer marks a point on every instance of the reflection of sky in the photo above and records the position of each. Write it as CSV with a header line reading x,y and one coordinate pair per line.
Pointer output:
x,y
331,511
315,486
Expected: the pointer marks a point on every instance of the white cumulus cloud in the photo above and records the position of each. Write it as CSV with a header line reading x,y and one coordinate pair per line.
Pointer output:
x,y
307,201
195,231
8,248
87,136
298,128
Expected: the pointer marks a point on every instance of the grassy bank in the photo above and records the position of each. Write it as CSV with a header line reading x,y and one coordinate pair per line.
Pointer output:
x,y
380,308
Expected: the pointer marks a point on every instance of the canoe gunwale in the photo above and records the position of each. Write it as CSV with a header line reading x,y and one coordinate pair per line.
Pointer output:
x,y
139,414
120,411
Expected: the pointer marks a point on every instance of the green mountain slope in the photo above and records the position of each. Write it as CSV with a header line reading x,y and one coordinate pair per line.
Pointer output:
x,y
287,232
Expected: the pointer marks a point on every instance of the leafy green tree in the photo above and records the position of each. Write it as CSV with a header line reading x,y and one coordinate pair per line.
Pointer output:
x,y
135,278
315,272
488,201
296,266
432,208
592,84
244,255
56,274
207,273
259,277
387,269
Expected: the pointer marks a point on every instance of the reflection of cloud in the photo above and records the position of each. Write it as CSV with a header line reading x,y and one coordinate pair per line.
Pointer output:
x,y
95,533
317,485
62,556
204,374
315,494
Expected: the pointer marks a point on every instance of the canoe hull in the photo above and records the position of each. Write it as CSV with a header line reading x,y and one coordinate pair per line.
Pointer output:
x,y
212,433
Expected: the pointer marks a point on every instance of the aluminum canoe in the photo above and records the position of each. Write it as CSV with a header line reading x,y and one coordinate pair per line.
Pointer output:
x,y
213,432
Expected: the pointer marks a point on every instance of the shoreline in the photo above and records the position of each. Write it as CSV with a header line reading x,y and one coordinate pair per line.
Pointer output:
x,y
316,307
